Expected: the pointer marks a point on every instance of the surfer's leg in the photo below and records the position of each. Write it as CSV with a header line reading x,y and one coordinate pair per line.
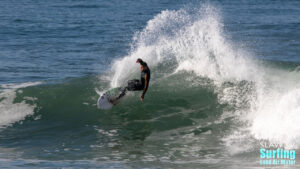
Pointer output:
x,y
123,92
132,85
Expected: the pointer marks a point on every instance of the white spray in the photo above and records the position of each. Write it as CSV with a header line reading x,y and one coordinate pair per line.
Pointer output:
x,y
194,41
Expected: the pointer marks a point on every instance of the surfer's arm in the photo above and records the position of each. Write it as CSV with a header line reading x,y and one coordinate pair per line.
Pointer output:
x,y
146,84
145,87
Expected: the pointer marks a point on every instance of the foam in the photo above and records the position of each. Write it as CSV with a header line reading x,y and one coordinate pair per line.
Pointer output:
x,y
21,85
11,112
276,117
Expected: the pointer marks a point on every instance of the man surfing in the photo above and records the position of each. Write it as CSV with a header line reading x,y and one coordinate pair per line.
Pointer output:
x,y
135,84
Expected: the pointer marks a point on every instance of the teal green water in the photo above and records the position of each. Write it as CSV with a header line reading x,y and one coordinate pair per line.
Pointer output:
x,y
67,124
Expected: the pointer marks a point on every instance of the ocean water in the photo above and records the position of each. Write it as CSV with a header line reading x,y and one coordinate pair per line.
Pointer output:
x,y
225,81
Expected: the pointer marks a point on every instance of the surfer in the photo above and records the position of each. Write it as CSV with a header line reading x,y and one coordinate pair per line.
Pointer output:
x,y
135,84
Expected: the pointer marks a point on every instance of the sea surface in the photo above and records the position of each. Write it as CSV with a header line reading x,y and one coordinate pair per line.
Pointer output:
x,y
225,83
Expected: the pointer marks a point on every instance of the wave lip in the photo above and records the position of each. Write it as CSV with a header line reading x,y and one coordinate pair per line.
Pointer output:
x,y
186,40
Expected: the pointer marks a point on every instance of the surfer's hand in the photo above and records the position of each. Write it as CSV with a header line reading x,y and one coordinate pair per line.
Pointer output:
x,y
142,97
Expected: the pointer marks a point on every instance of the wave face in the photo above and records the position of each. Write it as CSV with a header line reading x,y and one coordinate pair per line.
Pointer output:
x,y
210,103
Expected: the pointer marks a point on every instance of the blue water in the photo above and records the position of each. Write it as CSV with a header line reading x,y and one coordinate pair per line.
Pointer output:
x,y
57,56
59,39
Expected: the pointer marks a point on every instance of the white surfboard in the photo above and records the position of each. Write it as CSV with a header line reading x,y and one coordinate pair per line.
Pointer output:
x,y
103,101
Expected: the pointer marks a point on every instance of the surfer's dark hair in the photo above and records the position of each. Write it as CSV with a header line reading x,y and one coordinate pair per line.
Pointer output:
x,y
144,64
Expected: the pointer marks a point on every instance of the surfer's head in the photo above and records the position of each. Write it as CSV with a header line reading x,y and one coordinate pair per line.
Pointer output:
x,y
140,61
142,64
